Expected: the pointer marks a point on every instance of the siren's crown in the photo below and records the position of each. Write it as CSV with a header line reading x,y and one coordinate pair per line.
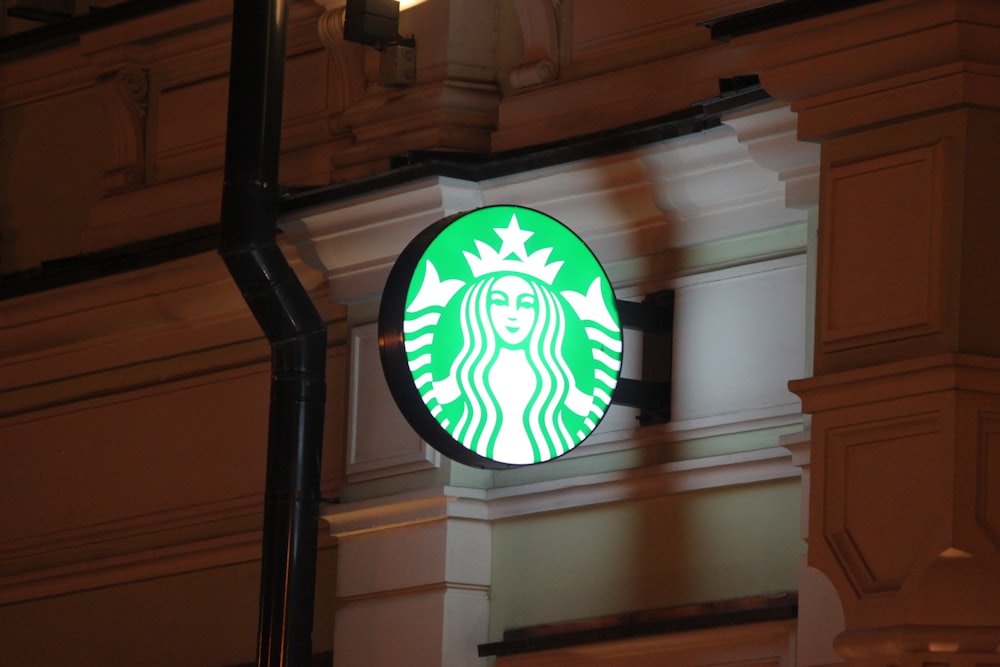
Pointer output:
x,y
501,261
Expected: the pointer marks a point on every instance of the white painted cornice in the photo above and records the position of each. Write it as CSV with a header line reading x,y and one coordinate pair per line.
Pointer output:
x,y
715,185
640,484
771,137
709,187
452,502
607,201
355,242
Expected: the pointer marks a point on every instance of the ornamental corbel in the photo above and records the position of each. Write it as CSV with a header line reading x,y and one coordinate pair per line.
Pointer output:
x,y
347,59
540,34
124,94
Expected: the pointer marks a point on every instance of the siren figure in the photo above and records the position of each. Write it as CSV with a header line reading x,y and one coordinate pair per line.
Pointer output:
x,y
509,393
511,372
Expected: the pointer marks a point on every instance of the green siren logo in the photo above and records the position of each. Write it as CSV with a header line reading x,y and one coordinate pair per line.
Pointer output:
x,y
510,336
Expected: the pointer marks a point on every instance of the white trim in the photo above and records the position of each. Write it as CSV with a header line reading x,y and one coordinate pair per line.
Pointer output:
x,y
448,502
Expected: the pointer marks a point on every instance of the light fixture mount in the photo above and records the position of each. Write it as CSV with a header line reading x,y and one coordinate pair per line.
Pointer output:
x,y
374,23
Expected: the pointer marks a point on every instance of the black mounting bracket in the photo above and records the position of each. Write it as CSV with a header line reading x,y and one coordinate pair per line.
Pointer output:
x,y
654,317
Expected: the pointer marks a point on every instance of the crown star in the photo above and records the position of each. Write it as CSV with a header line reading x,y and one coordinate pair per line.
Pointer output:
x,y
513,238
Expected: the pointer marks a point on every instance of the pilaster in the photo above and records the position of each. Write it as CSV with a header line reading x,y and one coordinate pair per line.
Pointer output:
x,y
417,568
904,98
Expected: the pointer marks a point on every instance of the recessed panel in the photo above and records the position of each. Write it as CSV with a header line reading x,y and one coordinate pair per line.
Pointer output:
x,y
885,495
880,245
380,441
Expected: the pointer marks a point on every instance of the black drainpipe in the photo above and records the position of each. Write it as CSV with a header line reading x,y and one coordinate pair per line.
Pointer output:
x,y
290,322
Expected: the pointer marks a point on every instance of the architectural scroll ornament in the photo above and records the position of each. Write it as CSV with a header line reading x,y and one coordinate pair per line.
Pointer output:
x,y
540,33
348,59
124,95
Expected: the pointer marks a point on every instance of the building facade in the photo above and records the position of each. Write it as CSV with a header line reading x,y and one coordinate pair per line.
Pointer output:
x,y
813,185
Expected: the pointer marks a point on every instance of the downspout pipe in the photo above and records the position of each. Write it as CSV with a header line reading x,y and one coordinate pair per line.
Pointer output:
x,y
290,322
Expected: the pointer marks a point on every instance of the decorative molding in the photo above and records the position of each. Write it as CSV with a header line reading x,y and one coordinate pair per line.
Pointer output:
x,y
540,37
534,73
673,194
347,59
799,445
498,503
711,472
440,554
630,30
866,386
618,63
124,94
607,201
355,242
771,137
406,509
710,187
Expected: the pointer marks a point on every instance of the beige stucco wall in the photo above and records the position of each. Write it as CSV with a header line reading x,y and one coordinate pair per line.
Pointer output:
x,y
710,545
207,617
52,155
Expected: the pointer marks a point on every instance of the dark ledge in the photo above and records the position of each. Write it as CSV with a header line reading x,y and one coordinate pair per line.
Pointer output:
x,y
58,30
67,271
776,15
742,611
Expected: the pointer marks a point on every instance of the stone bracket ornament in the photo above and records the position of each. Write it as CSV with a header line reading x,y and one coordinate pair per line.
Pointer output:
x,y
124,95
540,33
348,59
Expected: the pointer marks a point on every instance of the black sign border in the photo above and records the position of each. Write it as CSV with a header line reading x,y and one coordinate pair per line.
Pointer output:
x,y
395,365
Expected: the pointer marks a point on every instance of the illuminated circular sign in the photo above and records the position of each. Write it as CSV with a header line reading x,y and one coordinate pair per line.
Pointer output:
x,y
500,338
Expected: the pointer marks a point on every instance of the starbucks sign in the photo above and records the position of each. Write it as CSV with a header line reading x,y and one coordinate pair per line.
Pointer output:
x,y
500,338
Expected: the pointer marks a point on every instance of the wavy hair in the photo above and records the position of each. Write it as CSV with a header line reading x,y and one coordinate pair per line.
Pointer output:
x,y
482,413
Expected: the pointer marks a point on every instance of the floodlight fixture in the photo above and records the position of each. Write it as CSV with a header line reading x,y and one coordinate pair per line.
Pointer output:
x,y
373,23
